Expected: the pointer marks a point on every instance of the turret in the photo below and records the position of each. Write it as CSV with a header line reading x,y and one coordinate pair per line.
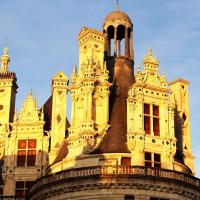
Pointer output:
x,y
59,109
118,29
182,122
8,90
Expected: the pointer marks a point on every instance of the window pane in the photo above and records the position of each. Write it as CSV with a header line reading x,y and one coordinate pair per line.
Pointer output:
x,y
147,109
155,110
147,127
156,126
22,144
157,157
126,161
31,158
19,193
148,164
21,158
28,184
153,198
157,165
32,144
19,184
129,197
147,156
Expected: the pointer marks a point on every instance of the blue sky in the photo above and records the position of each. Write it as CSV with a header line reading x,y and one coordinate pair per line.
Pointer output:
x,y
42,41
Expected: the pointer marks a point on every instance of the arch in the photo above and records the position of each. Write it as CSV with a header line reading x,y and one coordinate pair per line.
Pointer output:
x,y
110,32
119,38
120,32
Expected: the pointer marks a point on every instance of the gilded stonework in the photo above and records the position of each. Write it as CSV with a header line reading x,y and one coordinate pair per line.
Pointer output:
x,y
128,136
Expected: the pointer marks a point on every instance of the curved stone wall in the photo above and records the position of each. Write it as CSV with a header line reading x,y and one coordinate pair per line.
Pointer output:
x,y
115,182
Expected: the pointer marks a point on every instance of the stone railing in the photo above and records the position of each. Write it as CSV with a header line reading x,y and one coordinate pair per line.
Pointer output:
x,y
11,198
7,75
115,170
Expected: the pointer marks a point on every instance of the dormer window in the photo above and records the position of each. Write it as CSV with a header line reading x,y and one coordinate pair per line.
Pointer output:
x,y
151,119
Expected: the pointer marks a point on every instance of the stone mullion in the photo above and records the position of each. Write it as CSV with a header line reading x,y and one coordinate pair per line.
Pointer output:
x,y
115,41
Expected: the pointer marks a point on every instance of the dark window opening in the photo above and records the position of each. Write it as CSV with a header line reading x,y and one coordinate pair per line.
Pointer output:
x,y
147,109
147,125
22,187
126,161
152,160
26,155
128,197
151,119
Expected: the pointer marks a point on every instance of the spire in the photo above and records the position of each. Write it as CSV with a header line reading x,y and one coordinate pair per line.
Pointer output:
x,y
117,6
15,116
138,76
139,69
74,70
74,74
30,93
42,114
150,52
5,59
150,59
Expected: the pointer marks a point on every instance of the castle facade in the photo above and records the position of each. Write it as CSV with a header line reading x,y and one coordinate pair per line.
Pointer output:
x,y
128,137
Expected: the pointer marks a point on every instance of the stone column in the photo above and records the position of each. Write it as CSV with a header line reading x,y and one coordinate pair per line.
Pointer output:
x,y
126,43
119,47
131,45
109,43
107,47
106,108
89,108
115,42
85,106
73,111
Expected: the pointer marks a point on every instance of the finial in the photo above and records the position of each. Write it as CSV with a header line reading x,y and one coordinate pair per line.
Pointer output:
x,y
150,52
15,115
164,71
74,74
139,69
104,65
74,70
30,93
5,59
117,5
42,114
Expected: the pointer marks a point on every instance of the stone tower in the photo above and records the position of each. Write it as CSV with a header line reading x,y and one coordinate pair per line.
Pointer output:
x,y
120,63
8,90
90,95
59,110
182,125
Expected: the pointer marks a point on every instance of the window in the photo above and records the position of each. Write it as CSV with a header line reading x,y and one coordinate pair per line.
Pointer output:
x,y
128,197
22,187
152,160
126,161
26,154
151,119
